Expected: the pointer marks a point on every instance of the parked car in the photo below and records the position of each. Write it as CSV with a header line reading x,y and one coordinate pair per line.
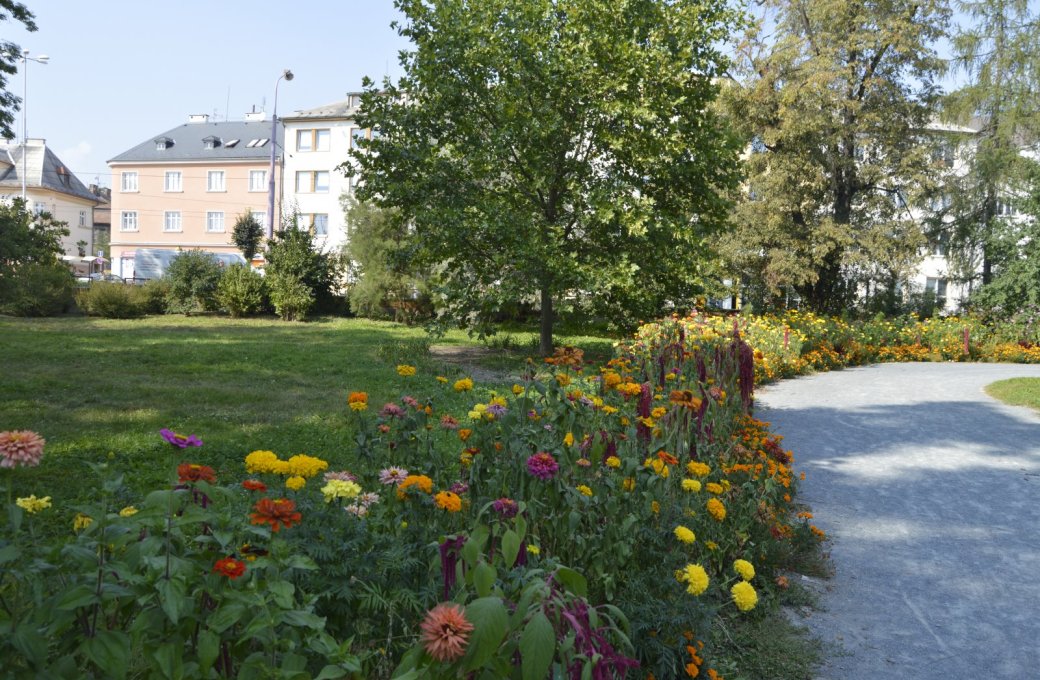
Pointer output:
x,y
97,276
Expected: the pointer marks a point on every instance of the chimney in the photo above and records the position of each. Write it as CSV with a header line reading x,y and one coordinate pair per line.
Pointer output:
x,y
198,118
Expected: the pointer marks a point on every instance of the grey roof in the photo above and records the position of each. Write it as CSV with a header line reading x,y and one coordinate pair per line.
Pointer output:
x,y
188,145
345,108
42,169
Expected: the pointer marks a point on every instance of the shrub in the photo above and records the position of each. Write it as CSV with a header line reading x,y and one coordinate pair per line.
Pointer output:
x,y
292,299
152,296
291,253
241,291
193,276
111,300
37,289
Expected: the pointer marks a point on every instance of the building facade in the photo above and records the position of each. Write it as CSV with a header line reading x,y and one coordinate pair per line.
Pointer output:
x,y
188,186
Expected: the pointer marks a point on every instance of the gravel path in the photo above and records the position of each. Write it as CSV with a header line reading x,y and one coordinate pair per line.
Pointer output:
x,y
930,492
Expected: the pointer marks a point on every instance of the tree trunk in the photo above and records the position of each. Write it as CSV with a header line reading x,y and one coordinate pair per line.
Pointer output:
x,y
545,341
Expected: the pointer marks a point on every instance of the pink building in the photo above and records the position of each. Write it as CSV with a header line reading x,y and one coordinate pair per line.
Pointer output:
x,y
188,186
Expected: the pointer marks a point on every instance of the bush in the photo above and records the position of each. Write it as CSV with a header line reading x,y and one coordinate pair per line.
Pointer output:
x,y
193,276
291,253
241,291
111,300
292,299
152,296
37,289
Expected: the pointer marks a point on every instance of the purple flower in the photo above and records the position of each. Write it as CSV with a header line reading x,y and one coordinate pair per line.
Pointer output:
x,y
392,475
542,465
391,411
506,507
496,410
179,440
459,488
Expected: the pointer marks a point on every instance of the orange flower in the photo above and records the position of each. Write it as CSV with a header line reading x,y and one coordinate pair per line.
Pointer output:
x,y
445,632
464,433
278,513
358,401
448,501
667,458
684,398
420,482
229,567
189,472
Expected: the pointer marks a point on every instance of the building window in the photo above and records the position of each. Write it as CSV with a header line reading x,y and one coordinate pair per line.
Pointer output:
x,y
1006,208
173,181
128,220
356,134
129,182
258,180
939,245
936,287
261,217
944,154
312,182
215,180
172,221
317,223
40,208
82,218
215,221
313,140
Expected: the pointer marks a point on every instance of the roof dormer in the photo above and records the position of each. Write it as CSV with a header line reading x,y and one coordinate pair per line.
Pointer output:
x,y
163,143
211,142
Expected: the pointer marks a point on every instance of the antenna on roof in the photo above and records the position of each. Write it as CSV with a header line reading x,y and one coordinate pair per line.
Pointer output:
x,y
227,105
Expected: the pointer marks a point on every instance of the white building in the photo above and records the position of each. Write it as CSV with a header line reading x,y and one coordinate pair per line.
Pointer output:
x,y
317,142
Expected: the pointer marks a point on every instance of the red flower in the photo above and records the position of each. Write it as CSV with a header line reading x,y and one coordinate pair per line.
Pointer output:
x,y
229,567
277,513
254,485
189,472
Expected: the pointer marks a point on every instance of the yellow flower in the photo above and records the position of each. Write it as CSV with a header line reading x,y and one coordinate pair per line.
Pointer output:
x,y
744,595
498,401
684,534
340,488
32,504
609,410
568,439
717,509
478,412
711,545
613,461
658,412
562,379
296,482
260,461
534,550
517,389
404,370
447,500
302,465
691,485
464,385
655,507
625,422
584,490
81,522
358,401
714,488
745,569
128,511
441,379
695,578
697,469
669,377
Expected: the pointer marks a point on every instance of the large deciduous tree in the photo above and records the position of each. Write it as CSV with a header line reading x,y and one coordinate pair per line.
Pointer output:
x,y
833,98
10,54
555,149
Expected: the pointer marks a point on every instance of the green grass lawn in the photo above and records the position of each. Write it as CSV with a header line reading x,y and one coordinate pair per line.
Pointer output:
x,y
1017,392
101,389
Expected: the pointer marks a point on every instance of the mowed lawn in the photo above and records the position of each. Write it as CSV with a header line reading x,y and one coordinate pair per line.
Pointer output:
x,y
1017,391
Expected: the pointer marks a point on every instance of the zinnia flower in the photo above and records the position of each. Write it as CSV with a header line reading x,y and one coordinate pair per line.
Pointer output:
x,y
506,507
20,448
32,504
295,483
745,569
392,475
717,509
405,370
744,595
445,632
189,472
449,501
449,423
613,461
229,567
464,433
684,534
542,465
254,485
277,513
342,475
464,385
358,401
584,490
179,440
391,410
695,578
338,488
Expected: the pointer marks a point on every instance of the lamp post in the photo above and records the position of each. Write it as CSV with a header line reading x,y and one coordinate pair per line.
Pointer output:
x,y
25,58
288,75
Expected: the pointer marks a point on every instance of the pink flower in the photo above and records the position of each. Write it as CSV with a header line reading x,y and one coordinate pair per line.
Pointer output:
x,y
410,401
391,410
20,447
341,475
445,632
392,475
179,440
449,423
506,507
542,465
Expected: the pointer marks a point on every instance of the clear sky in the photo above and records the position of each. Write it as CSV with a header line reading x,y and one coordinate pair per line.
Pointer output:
x,y
122,71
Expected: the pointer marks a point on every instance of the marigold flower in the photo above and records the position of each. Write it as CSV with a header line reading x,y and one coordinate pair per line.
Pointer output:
x,y
629,484
542,465
260,461
744,569
229,567
404,370
464,433
295,483
340,488
128,511
302,465
358,401
609,410
658,412
613,462
463,385
81,522
695,578
277,513
584,490
684,534
446,500
420,482
716,509
189,472
180,441
714,488
518,389
698,469
254,485
441,379
20,448
568,439
445,632
32,504
691,485
655,507
744,595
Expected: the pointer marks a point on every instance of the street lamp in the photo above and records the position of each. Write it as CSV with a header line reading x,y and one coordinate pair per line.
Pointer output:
x,y
288,75
42,59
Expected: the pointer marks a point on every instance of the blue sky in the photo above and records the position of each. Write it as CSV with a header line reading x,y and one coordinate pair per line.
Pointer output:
x,y
121,72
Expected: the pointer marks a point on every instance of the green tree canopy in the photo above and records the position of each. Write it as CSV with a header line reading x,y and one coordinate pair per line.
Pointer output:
x,y
248,234
10,55
833,99
543,149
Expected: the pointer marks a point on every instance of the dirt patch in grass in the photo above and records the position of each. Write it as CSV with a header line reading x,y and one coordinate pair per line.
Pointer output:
x,y
472,360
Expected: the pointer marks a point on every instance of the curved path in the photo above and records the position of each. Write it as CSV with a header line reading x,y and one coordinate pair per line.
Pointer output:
x,y
930,492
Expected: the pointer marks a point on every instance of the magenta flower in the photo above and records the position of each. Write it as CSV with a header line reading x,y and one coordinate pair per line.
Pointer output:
x,y
542,465
391,410
179,440
459,488
20,448
506,507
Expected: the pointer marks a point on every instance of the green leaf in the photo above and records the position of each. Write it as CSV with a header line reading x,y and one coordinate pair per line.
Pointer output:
x,y
77,597
29,642
228,615
303,619
575,582
282,593
9,553
484,576
208,649
331,672
173,598
110,652
537,647
521,526
510,547
490,624
167,660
